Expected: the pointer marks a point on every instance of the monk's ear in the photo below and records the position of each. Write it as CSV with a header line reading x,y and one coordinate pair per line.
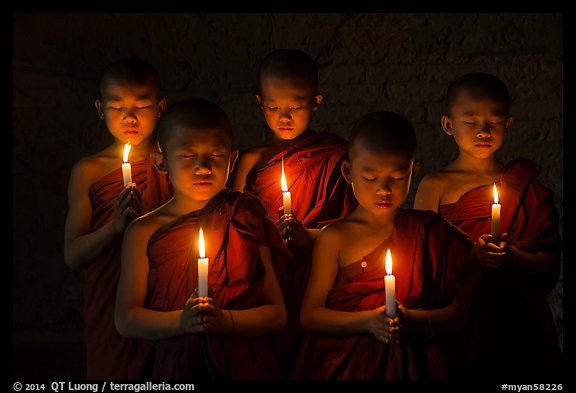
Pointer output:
x,y
446,124
509,122
259,99
415,168
159,162
346,170
233,158
318,98
161,106
98,105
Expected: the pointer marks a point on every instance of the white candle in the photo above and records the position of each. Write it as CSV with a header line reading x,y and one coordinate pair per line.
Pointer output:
x,y
202,267
126,167
390,285
286,200
495,230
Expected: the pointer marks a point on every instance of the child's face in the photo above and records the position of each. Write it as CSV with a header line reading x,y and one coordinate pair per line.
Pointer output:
x,y
287,105
130,111
380,182
478,125
198,161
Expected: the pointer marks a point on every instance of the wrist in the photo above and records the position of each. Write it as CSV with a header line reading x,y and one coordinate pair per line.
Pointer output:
x,y
231,324
513,257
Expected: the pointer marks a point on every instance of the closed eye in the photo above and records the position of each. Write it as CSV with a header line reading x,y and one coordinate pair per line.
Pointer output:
x,y
368,178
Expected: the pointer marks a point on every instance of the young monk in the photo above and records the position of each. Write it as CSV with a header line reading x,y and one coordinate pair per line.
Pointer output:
x,y
288,97
351,334
521,262
101,205
222,335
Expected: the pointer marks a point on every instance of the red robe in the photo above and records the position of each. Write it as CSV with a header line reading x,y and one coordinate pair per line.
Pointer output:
x,y
512,331
320,195
428,257
234,226
108,353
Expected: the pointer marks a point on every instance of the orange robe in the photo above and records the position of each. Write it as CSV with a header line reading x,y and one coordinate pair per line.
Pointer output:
x,y
512,331
429,258
234,226
108,353
319,195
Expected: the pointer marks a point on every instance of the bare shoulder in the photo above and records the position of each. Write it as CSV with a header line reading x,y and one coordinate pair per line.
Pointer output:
x,y
90,168
249,157
151,221
335,232
429,191
247,160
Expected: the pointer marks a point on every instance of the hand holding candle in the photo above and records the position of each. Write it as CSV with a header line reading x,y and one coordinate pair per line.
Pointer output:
x,y
390,286
202,267
285,193
126,167
495,228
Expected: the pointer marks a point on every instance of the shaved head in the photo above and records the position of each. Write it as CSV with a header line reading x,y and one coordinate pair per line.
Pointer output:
x,y
479,85
129,70
196,113
290,63
383,133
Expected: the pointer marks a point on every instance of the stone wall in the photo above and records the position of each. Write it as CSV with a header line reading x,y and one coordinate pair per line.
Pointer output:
x,y
398,61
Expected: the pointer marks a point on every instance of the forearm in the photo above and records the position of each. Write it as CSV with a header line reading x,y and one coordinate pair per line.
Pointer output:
x,y
85,249
540,262
326,321
444,320
139,322
256,321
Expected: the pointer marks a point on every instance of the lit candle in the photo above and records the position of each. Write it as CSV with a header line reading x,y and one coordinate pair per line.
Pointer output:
x,y
126,167
202,267
285,193
495,230
390,285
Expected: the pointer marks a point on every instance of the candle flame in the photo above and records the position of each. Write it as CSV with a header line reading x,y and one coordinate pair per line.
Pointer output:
x,y
283,179
127,148
201,244
495,194
388,263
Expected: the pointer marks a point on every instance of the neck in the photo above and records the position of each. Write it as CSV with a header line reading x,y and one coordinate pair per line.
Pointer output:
x,y
289,142
137,152
181,205
487,165
382,223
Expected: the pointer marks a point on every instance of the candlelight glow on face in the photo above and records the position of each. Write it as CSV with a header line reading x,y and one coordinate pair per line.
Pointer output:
x,y
390,287
202,267
126,167
286,199
495,226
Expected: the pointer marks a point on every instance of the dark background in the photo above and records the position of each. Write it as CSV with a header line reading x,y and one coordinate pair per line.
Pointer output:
x,y
368,61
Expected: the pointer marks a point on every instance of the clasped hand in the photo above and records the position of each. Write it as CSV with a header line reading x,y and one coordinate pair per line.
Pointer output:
x,y
202,315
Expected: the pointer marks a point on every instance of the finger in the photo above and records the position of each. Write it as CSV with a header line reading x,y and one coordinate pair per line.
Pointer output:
x,y
137,203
